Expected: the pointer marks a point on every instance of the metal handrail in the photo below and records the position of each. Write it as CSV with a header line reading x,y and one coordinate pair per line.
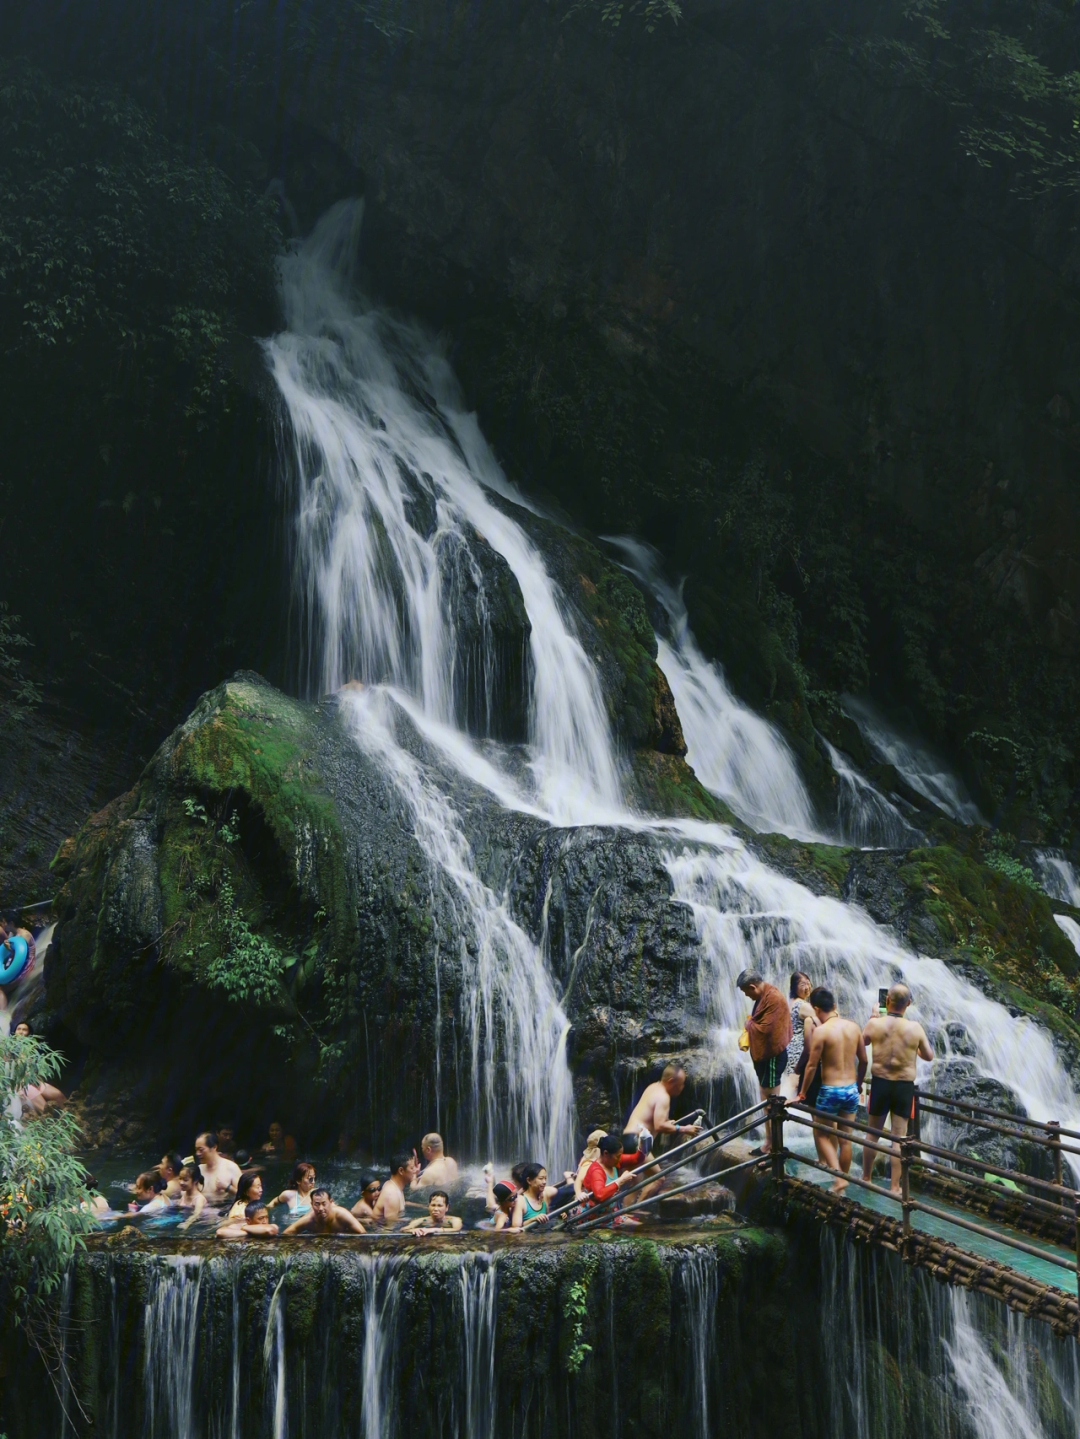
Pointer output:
x,y
712,1139
1043,1143
933,1099
910,1154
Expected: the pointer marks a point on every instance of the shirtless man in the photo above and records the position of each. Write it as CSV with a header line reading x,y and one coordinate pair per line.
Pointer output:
x,y
897,1042
220,1175
439,1168
837,1046
325,1217
653,1109
389,1208
437,1216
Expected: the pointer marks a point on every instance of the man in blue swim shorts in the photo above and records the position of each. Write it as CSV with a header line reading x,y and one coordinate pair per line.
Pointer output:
x,y
837,1047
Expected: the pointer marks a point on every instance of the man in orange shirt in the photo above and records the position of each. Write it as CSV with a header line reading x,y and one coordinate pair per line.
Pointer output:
x,y
768,1026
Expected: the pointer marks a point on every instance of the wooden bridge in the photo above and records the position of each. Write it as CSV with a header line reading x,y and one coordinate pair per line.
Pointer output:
x,y
945,1196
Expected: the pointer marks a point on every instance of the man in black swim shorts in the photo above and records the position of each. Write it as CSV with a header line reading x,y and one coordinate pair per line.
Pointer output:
x,y
896,1043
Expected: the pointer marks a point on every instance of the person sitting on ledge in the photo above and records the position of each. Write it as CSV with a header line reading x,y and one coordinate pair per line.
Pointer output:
x,y
439,1168
438,1217
389,1208
370,1189
255,1224
326,1217
220,1175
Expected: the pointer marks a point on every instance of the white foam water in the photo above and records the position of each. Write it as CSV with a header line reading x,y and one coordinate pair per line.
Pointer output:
x,y
924,772
734,752
864,817
1060,879
375,422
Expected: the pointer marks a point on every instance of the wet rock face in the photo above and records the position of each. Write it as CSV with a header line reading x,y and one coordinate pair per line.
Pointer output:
x,y
959,1078
261,835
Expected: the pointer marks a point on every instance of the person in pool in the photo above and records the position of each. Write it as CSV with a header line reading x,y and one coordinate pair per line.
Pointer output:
x,y
192,1200
298,1199
438,1218
254,1224
279,1143
220,1175
531,1204
148,1196
249,1190
326,1217
22,1030
169,1167
370,1189
502,1196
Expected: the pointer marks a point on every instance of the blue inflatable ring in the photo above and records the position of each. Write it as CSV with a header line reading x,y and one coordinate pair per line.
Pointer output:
x,y
13,961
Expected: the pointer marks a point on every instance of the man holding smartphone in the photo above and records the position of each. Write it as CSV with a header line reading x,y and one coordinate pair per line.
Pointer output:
x,y
897,1042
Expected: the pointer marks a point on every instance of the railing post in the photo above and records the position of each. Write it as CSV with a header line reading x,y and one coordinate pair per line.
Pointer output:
x,y
906,1148
1052,1128
776,1135
916,1116
1076,1236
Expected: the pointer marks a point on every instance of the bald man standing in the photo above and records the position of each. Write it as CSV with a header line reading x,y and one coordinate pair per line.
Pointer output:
x,y
897,1043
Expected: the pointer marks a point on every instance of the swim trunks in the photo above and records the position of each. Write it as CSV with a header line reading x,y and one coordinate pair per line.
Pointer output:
x,y
892,1096
770,1071
838,1099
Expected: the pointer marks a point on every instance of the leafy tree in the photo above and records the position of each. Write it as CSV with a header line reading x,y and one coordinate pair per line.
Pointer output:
x,y
19,693
42,1189
117,248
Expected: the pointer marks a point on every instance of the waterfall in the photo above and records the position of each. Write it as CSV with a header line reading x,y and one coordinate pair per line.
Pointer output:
x,y
698,1280
735,753
171,1335
864,817
923,771
381,1290
478,1276
408,560
1061,880
907,1355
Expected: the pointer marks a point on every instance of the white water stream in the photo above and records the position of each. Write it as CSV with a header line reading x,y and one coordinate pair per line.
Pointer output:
x,y
374,421
924,772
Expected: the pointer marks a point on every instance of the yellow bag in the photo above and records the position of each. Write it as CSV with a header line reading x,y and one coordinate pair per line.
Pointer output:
x,y
744,1040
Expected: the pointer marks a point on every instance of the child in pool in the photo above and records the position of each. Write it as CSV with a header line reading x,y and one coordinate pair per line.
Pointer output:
x,y
192,1200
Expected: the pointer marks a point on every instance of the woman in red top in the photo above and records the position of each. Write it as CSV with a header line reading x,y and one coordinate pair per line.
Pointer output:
x,y
602,1178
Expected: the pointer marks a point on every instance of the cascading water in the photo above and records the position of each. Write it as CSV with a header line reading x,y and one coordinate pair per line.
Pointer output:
x,y
396,494
171,1334
1061,880
864,817
734,752
914,763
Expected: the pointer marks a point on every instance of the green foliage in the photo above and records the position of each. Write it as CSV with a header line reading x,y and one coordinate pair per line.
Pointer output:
x,y
614,12
20,694
249,967
1007,74
575,1310
1000,857
115,247
42,1189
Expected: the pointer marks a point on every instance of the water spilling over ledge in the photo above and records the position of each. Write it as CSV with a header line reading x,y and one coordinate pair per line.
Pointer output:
x,y
740,1332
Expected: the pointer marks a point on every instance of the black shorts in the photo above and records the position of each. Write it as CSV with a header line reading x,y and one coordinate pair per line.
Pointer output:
x,y
892,1096
770,1071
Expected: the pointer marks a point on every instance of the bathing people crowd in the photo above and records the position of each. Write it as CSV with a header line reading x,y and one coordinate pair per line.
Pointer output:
x,y
802,1044
222,1183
